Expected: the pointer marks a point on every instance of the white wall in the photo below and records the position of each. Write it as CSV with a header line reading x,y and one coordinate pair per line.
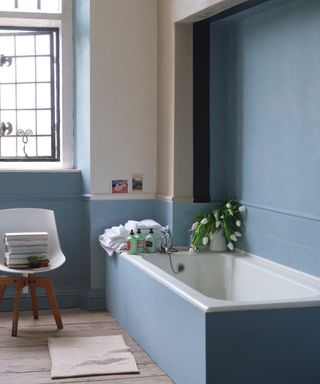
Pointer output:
x,y
123,92
141,92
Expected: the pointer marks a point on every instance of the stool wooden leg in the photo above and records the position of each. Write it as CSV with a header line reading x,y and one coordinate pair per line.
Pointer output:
x,y
34,301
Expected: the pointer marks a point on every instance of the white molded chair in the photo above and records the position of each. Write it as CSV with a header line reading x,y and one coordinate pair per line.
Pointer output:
x,y
30,220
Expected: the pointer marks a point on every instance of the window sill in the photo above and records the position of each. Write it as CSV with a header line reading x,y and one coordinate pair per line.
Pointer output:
x,y
43,170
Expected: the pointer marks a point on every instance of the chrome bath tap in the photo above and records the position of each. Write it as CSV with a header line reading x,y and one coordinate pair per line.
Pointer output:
x,y
166,240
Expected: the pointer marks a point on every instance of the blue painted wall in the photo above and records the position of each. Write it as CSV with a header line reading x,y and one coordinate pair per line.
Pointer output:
x,y
105,214
80,221
82,120
179,216
265,126
62,193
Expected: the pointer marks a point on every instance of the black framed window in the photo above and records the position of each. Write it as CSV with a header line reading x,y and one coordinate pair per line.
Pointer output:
x,y
29,94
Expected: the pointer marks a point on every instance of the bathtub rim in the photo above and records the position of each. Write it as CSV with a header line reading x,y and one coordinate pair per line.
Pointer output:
x,y
207,304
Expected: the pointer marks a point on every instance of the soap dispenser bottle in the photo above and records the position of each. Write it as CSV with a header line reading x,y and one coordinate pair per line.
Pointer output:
x,y
131,244
151,242
140,241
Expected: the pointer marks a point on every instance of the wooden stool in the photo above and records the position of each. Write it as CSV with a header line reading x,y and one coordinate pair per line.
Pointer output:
x,y
32,282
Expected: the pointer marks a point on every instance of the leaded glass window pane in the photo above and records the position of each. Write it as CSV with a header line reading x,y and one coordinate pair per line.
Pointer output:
x,y
29,94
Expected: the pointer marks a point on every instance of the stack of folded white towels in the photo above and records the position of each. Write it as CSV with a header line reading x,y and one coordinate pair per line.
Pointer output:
x,y
19,246
114,239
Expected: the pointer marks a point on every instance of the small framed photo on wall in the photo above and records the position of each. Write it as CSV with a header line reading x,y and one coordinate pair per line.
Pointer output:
x,y
119,186
137,182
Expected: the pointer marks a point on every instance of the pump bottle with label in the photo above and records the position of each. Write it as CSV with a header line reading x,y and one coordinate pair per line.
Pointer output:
x,y
131,244
140,241
151,242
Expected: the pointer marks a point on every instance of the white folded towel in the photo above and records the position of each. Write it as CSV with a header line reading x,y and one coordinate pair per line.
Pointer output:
x,y
143,224
114,239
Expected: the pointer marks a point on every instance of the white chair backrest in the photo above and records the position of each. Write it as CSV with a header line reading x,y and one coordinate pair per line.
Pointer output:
x,y
30,220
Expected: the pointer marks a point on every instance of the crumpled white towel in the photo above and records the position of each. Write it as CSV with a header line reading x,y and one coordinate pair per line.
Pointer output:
x,y
114,239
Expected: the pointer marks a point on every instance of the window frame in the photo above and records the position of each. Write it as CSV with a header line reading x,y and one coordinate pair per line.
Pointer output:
x,y
62,21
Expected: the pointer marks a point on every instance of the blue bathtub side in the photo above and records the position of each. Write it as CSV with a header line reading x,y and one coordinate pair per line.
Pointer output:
x,y
168,328
279,346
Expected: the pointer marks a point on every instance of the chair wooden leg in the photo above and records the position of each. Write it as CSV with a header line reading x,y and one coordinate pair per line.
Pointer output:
x,y
47,284
3,286
33,282
19,284
53,302
34,301
4,282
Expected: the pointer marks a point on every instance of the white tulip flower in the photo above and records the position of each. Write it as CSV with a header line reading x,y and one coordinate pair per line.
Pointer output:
x,y
242,208
230,246
216,215
204,221
218,224
205,240
194,226
233,237
191,251
228,205
238,223
238,234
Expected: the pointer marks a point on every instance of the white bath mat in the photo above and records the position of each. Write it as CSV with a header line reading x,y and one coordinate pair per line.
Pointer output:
x,y
90,356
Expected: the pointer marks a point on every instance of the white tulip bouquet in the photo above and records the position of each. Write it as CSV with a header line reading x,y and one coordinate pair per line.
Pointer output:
x,y
227,218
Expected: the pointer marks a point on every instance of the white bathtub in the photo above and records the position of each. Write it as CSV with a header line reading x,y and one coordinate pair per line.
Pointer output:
x,y
226,319
231,281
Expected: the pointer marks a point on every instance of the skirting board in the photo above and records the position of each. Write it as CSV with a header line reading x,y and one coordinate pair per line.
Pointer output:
x,y
67,298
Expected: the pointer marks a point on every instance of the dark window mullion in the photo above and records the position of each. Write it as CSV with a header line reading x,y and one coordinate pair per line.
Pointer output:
x,y
0,116
36,94
53,141
16,89
16,31
28,82
57,99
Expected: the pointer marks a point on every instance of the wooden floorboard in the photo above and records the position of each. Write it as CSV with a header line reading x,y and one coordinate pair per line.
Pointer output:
x,y
25,358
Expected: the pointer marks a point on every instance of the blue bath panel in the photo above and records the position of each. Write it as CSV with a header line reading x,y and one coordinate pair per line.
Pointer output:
x,y
279,346
168,328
